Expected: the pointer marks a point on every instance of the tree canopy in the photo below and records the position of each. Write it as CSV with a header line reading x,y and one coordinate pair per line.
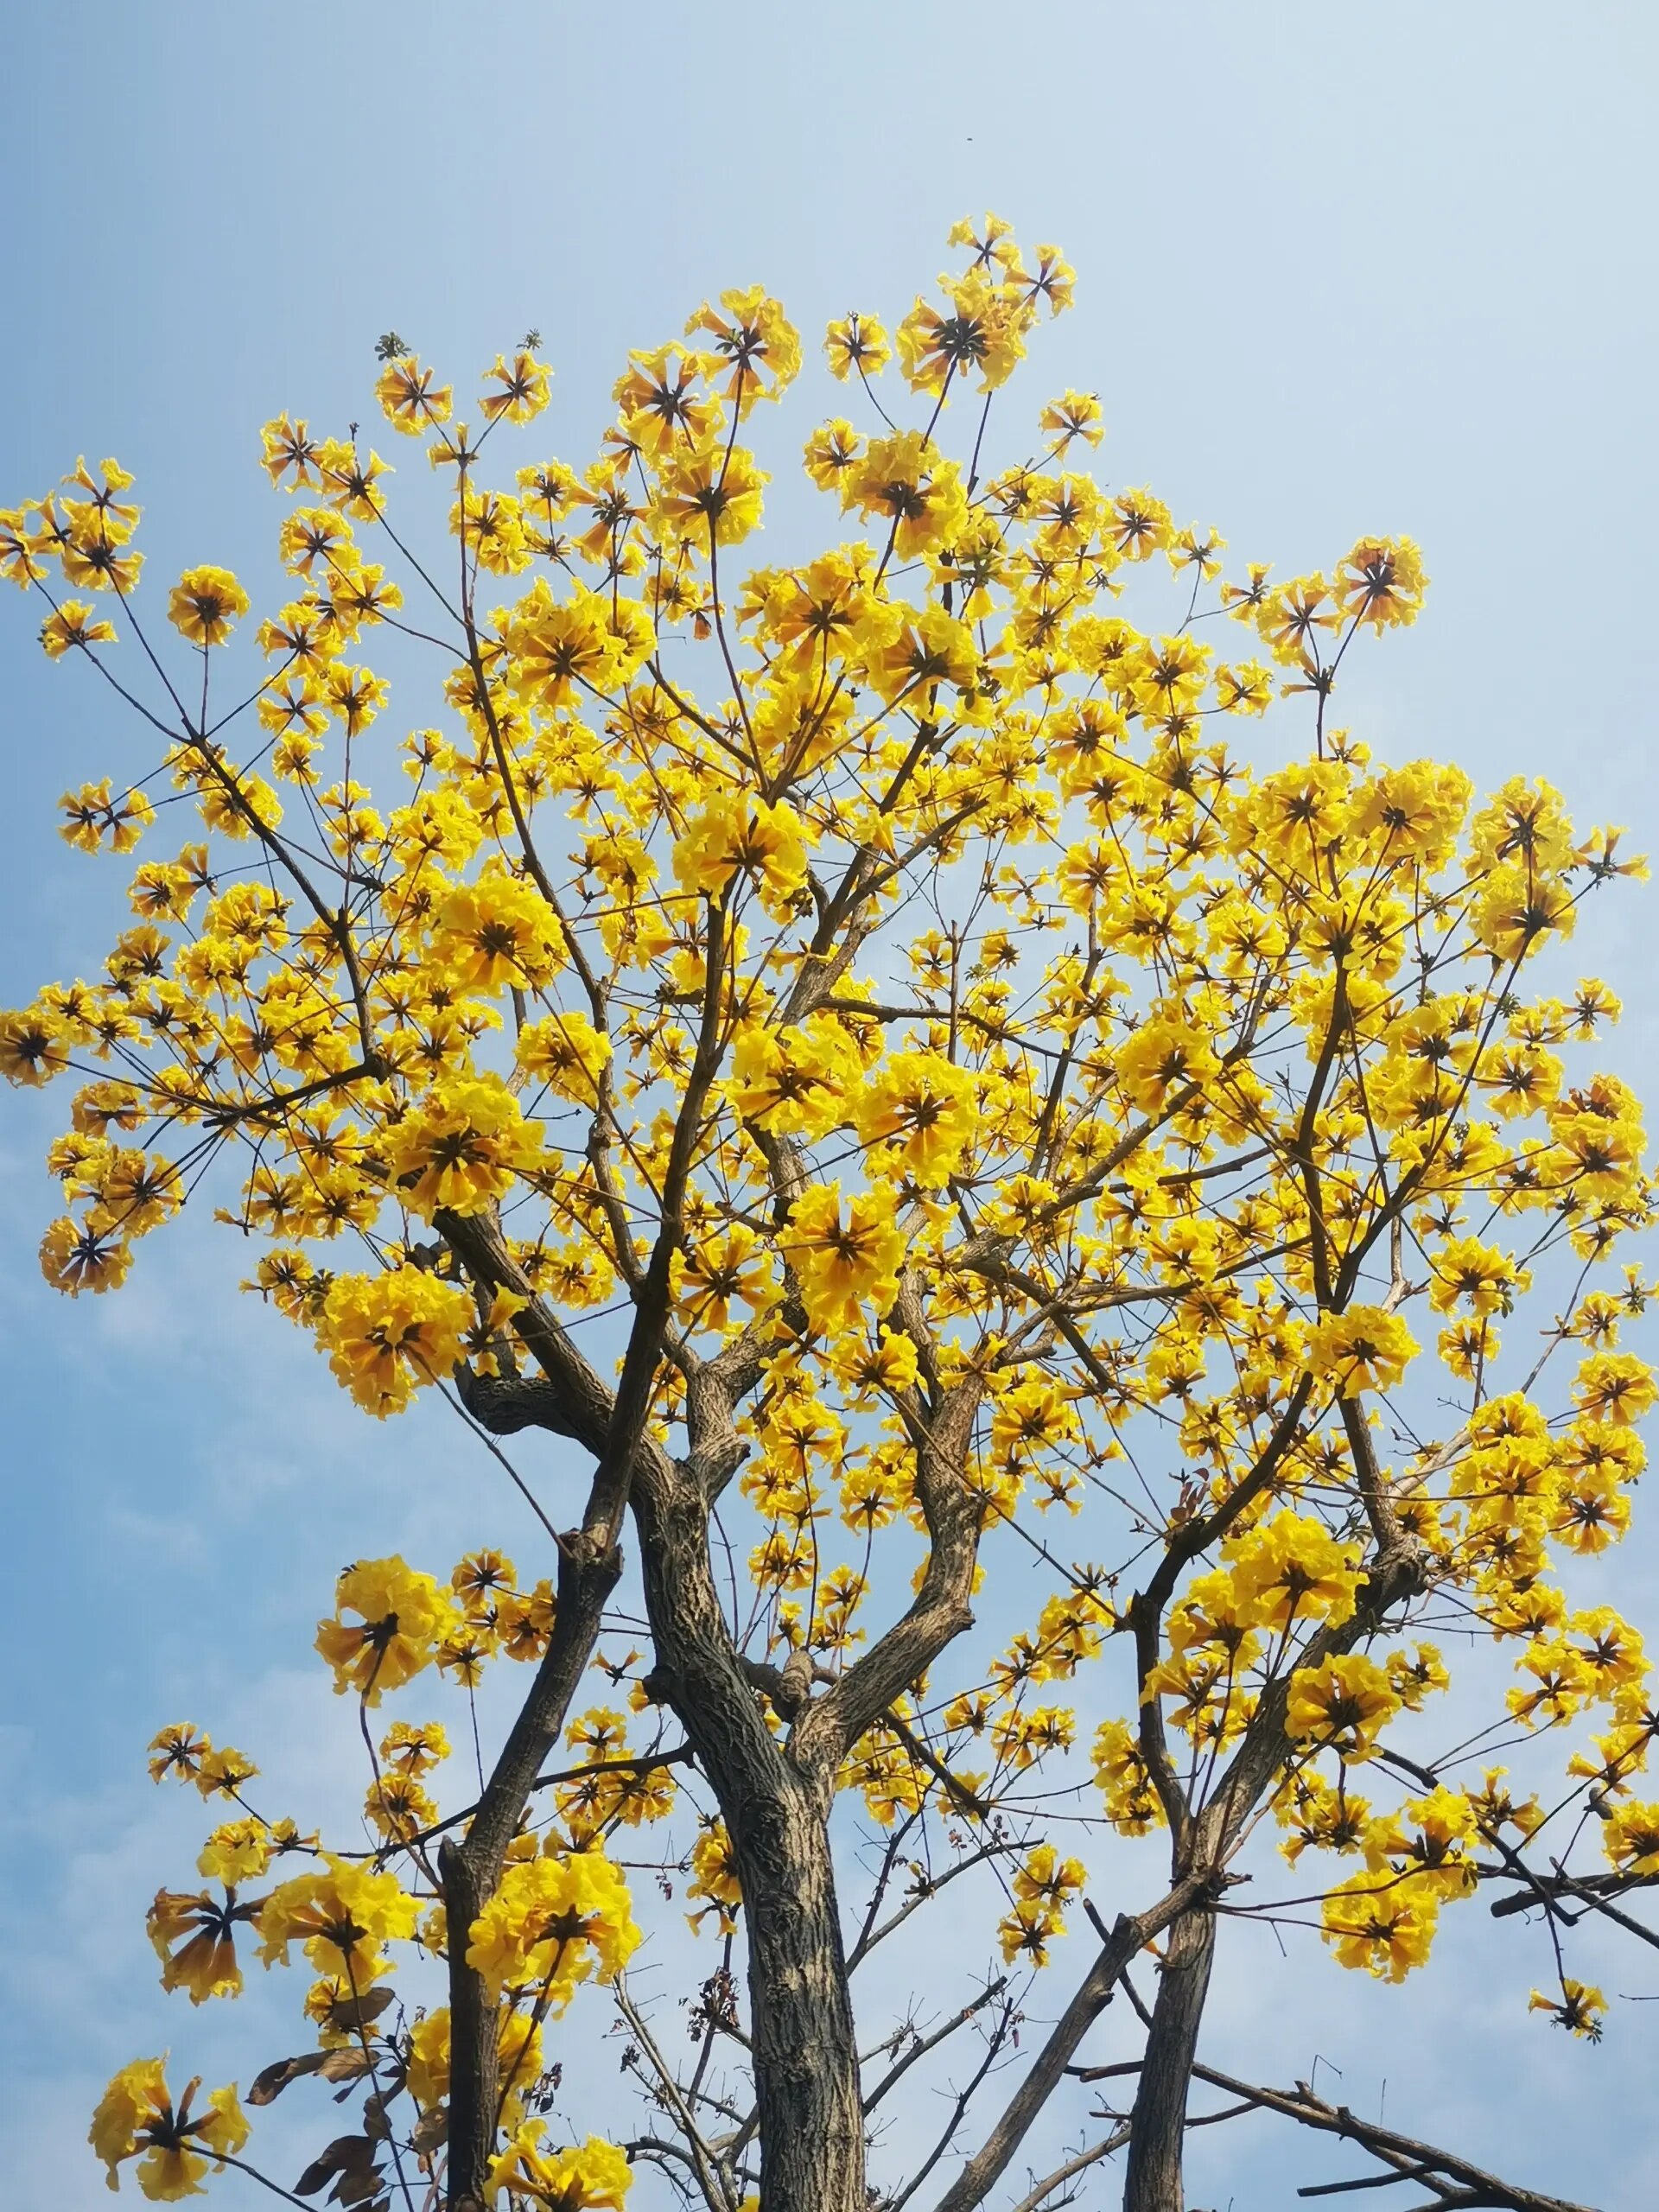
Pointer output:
x,y
1033,1268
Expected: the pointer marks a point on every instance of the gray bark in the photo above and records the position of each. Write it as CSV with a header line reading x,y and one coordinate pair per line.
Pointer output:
x,y
1158,2123
806,2079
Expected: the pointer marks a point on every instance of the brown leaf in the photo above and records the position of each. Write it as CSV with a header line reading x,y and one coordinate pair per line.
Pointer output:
x,y
271,2080
356,2186
345,2154
343,2065
333,2066
358,2011
430,2129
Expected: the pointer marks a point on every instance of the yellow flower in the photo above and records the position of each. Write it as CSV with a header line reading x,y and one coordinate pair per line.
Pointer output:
x,y
1138,525
462,1146
908,481
1467,1272
1614,1387
714,1878
1345,1702
402,1616
341,1915
414,1749
866,1371
136,2118
552,1922
907,654
1578,2009
77,1256
204,603
980,332
1026,1931
408,398
567,1053
388,1334
1629,1837
1381,1924
1046,1876
733,1266
843,1264
71,625
1290,1568
794,1079
522,389
237,1852
1133,1805
752,332
1367,1348
920,1111
1161,1061
355,695
832,449
32,1046
1381,582
740,834
496,933
205,1963
178,1751
1518,909
1073,415
595,2178
713,494
857,344
1028,1421
93,816
561,649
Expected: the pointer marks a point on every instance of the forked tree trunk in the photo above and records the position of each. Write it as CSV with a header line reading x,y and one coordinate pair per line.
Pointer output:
x,y
1154,2182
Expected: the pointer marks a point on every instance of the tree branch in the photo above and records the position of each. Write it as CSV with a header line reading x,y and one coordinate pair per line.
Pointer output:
x,y
1047,2070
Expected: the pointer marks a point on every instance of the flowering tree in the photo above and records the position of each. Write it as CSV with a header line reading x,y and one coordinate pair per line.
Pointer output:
x,y
961,1187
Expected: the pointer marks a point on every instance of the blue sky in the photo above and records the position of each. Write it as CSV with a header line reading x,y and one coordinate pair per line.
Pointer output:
x,y
1339,269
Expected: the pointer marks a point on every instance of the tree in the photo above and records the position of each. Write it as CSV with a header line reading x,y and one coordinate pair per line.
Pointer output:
x,y
847,1057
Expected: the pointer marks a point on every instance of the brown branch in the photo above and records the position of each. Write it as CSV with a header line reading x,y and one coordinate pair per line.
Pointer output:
x,y
870,1935
1085,2160
1047,2068
1591,1890
940,1611
965,1799
1383,2143
923,2045
589,1564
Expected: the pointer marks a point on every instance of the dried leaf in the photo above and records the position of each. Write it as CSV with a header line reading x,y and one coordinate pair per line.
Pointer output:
x,y
430,2129
346,2154
271,2080
358,2011
356,2186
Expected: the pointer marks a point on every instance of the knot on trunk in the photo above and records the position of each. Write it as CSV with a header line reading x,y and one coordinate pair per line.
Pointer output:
x,y
787,1688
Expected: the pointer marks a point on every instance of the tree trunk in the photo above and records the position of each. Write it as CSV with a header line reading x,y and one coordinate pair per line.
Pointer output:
x,y
473,2089
811,2126
1153,2182
805,2071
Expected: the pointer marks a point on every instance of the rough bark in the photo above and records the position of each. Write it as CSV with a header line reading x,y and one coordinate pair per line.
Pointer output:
x,y
470,1871
806,2081
801,2021
1158,2123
